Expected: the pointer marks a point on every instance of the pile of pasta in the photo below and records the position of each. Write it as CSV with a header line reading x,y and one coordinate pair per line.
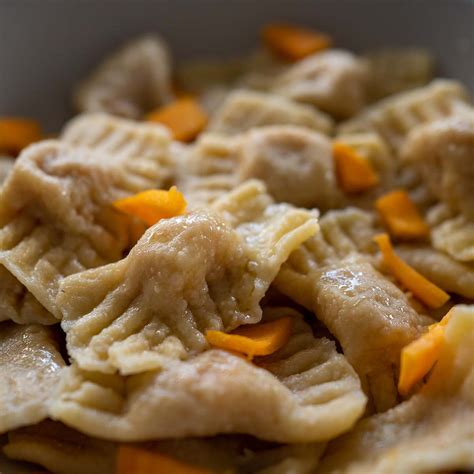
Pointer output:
x,y
254,265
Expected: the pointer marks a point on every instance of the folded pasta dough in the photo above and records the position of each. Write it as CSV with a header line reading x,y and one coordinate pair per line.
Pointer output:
x,y
142,148
305,392
440,268
30,366
130,82
208,169
53,445
61,450
246,109
335,81
370,316
186,275
295,164
18,304
397,70
394,117
431,432
56,217
443,151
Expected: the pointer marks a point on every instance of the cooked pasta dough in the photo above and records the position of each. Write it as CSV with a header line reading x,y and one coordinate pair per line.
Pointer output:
x,y
142,148
185,276
132,81
30,370
18,304
56,217
394,117
61,450
245,109
370,316
335,81
431,432
305,392
398,69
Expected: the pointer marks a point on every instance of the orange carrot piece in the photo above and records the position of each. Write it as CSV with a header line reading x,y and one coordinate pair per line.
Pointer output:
x,y
419,357
132,460
400,215
427,292
17,133
153,205
184,117
354,172
254,339
292,42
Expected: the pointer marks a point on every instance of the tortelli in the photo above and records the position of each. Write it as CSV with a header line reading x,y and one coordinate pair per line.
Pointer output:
x,y
433,431
133,80
56,214
186,275
305,392
31,365
242,265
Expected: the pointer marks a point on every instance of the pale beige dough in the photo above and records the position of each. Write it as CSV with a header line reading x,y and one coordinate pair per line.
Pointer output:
x,y
398,69
186,275
56,217
394,117
335,81
18,304
431,432
30,369
305,392
245,109
370,316
133,80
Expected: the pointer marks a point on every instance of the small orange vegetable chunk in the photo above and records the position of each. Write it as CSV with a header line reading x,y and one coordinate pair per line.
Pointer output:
x,y
354,173
254,339
132,460
292,42
418,357
427,292
184,117
401,216
153,205
17,133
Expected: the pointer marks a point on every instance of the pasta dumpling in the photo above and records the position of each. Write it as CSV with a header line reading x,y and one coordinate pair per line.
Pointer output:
x,y
431,432
335,81
132,81
56,217
305,392
31,366
394,117
370,316
245,109
186,275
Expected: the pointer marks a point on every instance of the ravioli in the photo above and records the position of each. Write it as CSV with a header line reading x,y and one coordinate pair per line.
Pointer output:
x,y
244,109
440,268
61,450
130,82
53,445
141,148
30,368
186,275
305,392
370,316
18,304
335,81
396,70
56,217
394,117
431,432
